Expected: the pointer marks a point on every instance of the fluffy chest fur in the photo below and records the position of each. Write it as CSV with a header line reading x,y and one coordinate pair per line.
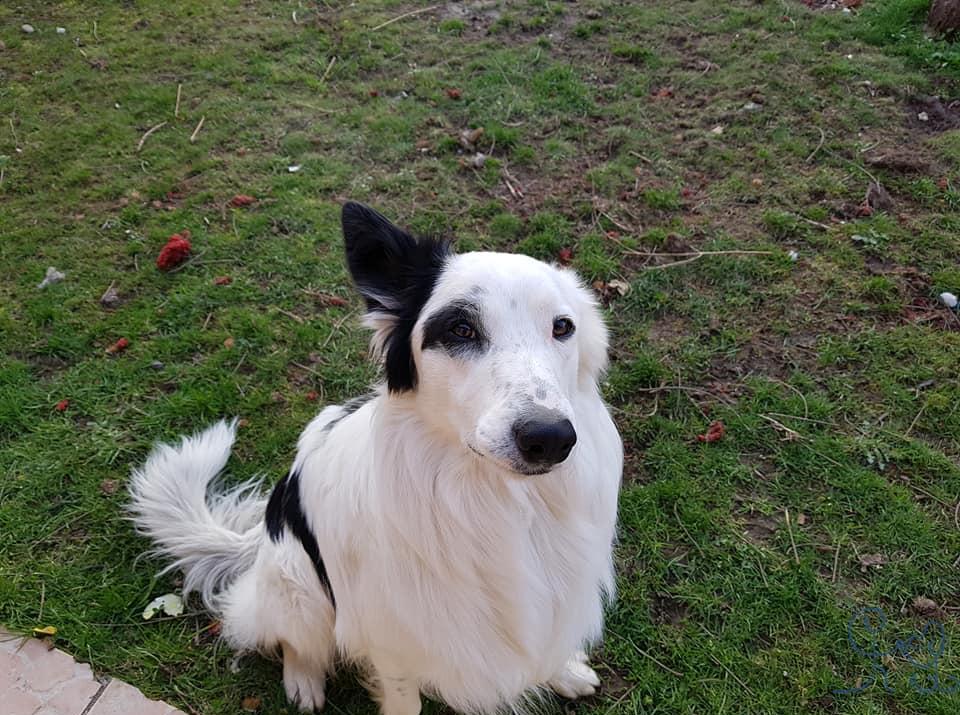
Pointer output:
x,y
488,581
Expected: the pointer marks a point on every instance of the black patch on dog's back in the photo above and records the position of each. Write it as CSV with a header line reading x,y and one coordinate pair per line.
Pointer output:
x,y
284,510
349,407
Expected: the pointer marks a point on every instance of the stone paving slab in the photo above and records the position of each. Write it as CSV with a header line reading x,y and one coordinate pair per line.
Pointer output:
x,y
36,679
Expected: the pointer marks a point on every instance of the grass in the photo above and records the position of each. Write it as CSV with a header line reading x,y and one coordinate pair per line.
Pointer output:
x,y
835,375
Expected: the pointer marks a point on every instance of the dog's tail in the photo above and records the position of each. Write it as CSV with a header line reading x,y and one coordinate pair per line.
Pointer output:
x,y
212,537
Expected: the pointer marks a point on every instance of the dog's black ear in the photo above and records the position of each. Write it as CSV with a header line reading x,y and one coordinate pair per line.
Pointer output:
x,y
395,273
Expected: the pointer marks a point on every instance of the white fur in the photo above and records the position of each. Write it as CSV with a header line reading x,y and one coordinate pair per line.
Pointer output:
x,y
454,575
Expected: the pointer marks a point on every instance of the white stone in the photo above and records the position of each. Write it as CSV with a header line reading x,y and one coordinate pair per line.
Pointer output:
x,y
53,276
949,300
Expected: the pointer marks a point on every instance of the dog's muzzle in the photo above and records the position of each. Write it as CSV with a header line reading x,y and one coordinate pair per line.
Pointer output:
x,y
544,438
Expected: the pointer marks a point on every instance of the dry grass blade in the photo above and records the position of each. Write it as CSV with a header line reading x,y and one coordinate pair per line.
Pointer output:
x,y
150,131
404,16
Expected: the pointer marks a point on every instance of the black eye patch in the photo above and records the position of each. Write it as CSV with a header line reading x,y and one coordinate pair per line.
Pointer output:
x,y
456,329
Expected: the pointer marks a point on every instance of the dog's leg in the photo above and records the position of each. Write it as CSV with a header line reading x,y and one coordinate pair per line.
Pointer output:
x,y
303,679
398,693
577,680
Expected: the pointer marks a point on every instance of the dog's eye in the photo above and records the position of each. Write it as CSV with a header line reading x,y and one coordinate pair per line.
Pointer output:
x,y
464,330
563,328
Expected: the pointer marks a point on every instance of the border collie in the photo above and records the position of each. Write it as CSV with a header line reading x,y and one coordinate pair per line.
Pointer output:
x,y
451,532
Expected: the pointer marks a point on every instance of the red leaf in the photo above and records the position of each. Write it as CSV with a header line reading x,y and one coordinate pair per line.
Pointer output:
x,y
714,433
453,93
312,396
119,346
222,280
864,209
565,256
62,405
329,299
374,93
663,93
241,200
175,252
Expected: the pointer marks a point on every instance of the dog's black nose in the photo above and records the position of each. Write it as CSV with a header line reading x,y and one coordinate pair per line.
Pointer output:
x,y
545,438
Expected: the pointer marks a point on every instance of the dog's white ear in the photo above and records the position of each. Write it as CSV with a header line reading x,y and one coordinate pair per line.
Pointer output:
x,y
395,273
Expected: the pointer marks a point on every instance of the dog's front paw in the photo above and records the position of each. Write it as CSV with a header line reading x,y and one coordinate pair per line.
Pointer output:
x,y
577,680
304,688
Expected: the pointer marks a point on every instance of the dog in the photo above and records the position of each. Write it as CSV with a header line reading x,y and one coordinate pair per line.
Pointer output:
x,y
452,531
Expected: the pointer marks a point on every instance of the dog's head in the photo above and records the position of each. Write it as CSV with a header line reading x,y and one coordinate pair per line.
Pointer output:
x,y
493,348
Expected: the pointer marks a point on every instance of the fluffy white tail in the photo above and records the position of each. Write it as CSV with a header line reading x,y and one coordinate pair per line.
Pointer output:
x,y
212,538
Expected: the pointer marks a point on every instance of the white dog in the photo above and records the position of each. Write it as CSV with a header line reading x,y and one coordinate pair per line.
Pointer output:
x,y
451,532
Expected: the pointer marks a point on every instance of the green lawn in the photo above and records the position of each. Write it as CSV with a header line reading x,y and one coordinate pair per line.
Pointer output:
x,y
619,131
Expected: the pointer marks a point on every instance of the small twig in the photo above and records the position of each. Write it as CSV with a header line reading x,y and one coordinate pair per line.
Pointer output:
x,y
836,562
915,420
43,598
616,703
311,106
644,653
803,419
304,367
791,434
823,138
292,316
95,36
207,321
326,74
403,16
335,328
656,406
698,254
616,223
176,107
150,131
731,673
793,544
693,256
684,528
514,187
641,157
16,139
810,221
806,409
929,495
193,137
956,516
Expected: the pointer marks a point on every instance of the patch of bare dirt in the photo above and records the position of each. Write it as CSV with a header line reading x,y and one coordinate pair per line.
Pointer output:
x,y
900,161
666,610
933,115
477,16
759,529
